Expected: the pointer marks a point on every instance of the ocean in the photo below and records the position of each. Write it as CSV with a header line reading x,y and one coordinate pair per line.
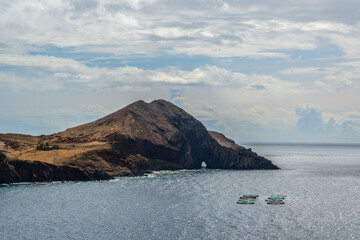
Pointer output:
x,y
322,184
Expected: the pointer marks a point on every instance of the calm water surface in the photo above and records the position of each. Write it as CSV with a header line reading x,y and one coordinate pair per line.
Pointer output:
x,y
322,184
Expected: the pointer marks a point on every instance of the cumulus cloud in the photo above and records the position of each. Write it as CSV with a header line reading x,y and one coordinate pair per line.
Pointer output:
x,y
310,120
311,124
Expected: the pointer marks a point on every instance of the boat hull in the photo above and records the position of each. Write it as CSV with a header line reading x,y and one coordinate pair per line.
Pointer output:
x,y
245,202
276,203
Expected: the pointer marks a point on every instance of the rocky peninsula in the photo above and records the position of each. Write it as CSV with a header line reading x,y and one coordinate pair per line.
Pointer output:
x,y
140,138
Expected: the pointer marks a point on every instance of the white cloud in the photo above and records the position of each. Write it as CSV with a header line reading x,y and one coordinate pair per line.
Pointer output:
x,y
47,72
349,43
128,27
334,78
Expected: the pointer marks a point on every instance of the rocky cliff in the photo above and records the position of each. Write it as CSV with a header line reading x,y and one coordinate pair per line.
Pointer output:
x,y
34,171
138,138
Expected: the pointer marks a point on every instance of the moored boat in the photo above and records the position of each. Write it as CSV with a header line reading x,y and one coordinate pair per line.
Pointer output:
x,y
276,203
251,195
272,198
245,202
275,198
249,200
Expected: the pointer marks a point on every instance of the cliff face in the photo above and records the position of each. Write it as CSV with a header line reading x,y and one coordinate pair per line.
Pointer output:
x,y
224,141
138,138
7,172
34,171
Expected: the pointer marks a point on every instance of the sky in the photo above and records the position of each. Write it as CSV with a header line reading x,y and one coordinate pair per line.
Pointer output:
x,y
258,71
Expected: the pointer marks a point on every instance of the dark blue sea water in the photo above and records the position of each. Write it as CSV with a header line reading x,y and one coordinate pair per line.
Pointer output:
x,y
322,183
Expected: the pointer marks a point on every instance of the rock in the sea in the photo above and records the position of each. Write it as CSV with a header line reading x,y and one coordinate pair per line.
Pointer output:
x,y
132,141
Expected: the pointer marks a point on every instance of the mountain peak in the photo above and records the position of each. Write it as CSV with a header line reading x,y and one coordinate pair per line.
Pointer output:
x,y
137,120
162,102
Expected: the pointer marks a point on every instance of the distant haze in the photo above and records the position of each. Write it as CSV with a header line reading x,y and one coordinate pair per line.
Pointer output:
x,y
258,71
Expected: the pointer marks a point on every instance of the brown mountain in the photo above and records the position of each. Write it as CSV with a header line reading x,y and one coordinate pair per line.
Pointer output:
x,y
138,138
